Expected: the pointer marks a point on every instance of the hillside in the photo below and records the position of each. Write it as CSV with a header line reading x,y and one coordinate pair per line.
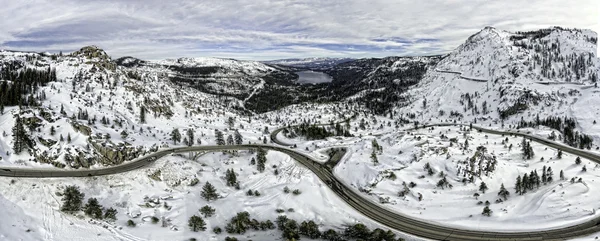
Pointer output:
x,y
315,63
502,77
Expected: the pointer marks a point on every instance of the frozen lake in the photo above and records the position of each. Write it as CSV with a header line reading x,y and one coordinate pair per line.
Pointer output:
x,y
313,77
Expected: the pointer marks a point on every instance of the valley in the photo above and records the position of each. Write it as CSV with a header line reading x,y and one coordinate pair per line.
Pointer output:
x,y
496,140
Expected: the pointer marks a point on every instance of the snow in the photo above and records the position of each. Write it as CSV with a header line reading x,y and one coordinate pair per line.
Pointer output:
x,y
488,57
557,204
126,192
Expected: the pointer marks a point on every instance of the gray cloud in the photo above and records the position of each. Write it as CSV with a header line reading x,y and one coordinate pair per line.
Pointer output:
x,y
265,29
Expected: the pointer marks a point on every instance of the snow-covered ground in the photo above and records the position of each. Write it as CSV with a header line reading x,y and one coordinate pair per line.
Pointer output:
x,y
35,205
559,203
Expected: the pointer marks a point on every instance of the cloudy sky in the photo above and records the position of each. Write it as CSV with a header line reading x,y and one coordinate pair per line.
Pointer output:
x,y
269,29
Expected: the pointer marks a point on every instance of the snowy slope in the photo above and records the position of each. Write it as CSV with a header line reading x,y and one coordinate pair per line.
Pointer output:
x,y
497,74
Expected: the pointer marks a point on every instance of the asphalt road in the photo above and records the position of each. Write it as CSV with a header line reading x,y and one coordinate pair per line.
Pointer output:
x,y
349,195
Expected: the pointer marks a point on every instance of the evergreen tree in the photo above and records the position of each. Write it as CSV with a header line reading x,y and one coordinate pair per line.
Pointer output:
x,y
142,114
525,183
559,154
252,161
549,175
196,223
503,192
93,208
230,140
544,175
487,211
291,230
331,235
69,137
526,149
577,160
374,157
238,138
190,136
207,211
230,177
110,214
209,192
21,139
219,137
175,136
518,186
72,199
562,175
261,159
52,130
483,187
309,229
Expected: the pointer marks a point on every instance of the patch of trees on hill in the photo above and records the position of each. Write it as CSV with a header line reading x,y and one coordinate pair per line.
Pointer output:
x,y
19,86
566,126
314,132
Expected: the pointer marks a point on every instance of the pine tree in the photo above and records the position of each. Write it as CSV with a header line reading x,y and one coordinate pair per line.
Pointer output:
x,y
252,161
69,137
230,177
219,136
62,110
544,175
562,175
21,139
577,160
483,187
487,211
110,214
559,154
374,157
238,138
196,223
190,136
261,159
142,114
549,175
52,130
518,186
72,199
93,208
503,192
525,183
230,140
175,136
209,192
207,211
1,108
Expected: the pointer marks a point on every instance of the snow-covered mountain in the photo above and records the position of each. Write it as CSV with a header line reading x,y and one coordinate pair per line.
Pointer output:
x,y
315,63
96,103
502,76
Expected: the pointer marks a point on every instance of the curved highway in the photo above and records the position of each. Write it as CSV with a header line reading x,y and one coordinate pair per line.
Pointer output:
x,y
353,198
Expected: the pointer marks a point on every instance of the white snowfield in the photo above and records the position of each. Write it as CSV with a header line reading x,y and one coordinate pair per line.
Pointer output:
x,y
556,204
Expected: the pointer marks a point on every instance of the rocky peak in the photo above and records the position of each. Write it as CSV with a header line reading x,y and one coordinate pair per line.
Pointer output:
x,y
92,51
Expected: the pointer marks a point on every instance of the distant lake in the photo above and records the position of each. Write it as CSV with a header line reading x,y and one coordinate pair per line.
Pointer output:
x,y
312,77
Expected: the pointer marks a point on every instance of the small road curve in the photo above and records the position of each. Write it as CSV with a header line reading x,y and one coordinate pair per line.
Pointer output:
x,y
275,132
461,75
350,196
